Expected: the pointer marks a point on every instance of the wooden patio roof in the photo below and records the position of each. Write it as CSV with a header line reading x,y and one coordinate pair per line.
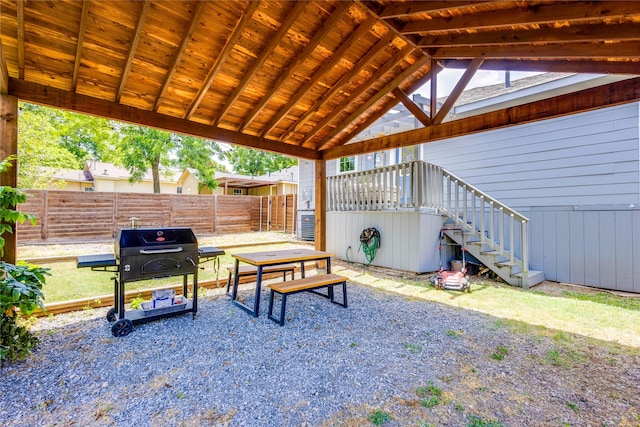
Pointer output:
x,y
303,78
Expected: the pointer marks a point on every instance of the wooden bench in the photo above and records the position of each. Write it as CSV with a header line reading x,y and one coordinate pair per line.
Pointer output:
x,y
309,284
250,270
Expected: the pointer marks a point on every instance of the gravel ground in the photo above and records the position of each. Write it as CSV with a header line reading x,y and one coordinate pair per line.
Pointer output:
x,y
421,362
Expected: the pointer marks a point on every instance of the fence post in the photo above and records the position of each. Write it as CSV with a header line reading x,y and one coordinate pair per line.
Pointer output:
x,y
44,231
215,213
268,213
115,214
284,213
260,217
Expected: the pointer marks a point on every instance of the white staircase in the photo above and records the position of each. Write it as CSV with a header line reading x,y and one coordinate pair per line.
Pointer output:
x,y
492,232
510,271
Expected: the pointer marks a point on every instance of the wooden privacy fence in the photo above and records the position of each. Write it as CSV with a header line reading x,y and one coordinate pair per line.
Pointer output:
x,y
72,216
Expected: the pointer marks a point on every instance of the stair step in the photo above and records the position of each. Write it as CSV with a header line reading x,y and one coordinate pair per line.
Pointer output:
x,y
535,277
489,252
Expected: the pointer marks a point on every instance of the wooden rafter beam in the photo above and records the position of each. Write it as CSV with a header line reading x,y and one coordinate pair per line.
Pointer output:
x,y
319,35
353,96
417,112
373,117
561,35
585,100
396,10
133,46
558,66
180,51
396,82
274,41
337,56
4,73
457,91
57,98
583,51
345,79
20,17
81,29
224,54
540,15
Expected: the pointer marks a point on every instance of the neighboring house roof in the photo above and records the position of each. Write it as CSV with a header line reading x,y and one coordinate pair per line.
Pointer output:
x,y
289,174
71,175
245,181
111,171
482,99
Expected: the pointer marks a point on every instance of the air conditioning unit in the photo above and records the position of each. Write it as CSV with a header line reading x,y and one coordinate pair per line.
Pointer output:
x,y
308,227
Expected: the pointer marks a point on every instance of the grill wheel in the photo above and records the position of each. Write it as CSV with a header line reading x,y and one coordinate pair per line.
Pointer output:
x,y
111,314
121,328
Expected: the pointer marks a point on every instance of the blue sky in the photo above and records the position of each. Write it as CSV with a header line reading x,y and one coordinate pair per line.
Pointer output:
x,y
448,78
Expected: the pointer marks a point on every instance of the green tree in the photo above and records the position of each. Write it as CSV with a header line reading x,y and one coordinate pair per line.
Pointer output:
x,y
88,137
41,153
199,154
247,161
145,148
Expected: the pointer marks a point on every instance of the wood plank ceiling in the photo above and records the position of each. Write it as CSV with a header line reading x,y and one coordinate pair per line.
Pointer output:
x,y
302,78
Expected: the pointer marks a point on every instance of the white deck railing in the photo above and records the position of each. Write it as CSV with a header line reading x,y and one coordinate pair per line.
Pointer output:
x,y
418,185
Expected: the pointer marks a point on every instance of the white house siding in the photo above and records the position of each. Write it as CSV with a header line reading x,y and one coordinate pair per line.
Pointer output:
x,y
577,178
406,238
584,159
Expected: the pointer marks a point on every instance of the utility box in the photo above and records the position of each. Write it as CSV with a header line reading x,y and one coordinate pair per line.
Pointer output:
x,y
308,227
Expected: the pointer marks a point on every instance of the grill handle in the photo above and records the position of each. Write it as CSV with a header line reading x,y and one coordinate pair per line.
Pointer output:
x,y
160,251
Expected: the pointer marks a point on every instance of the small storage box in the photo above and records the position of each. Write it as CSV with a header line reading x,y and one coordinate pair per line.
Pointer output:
x,y
163,298
179,303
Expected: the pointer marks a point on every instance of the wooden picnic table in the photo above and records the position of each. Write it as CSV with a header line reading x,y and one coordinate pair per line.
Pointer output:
x,y
271,258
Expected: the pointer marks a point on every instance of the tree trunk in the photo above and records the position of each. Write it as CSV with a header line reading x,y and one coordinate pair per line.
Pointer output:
x,y
155,170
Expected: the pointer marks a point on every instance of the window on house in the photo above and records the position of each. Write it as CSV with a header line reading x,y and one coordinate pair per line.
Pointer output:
x,y
347,164
179,190
237,191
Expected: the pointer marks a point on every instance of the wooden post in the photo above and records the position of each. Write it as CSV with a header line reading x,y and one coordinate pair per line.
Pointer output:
x,y
215,212
8,147
44,231
321,205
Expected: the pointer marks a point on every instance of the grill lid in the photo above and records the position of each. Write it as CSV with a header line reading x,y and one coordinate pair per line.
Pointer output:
x,y
153,237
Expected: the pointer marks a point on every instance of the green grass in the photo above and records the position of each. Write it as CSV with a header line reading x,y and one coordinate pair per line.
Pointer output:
x,y
412,348
475,421
563,357
528,311
500,353
431,394
379,417
67,282
606,299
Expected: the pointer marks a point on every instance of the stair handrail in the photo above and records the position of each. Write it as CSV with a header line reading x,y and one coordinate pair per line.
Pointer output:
x,y
418,185
460,217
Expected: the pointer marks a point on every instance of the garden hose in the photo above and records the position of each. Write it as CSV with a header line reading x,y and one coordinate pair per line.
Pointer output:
x,y
369,243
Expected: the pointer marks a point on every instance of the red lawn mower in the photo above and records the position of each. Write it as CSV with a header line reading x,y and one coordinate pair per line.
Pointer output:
x,y
451,279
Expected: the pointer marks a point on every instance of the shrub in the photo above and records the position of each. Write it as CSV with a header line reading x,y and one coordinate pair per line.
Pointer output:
x,y
20,284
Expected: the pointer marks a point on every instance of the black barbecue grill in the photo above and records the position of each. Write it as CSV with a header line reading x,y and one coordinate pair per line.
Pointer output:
x,y
151,253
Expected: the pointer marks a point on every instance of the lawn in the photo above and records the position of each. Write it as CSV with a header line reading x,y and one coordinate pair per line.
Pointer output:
x,y
69,283
588,312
